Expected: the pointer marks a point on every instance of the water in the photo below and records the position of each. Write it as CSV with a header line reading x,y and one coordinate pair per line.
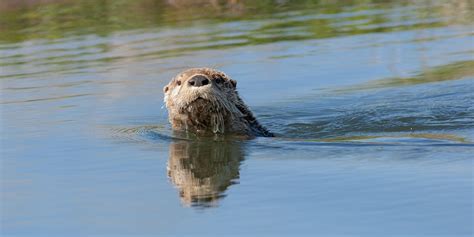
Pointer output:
x,y
372,102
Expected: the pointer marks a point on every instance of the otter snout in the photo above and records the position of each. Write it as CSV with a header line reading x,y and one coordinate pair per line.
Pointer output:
x,y
198,80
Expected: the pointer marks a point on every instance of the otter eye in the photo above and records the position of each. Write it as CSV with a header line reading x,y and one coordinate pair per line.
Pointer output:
x,y
178,82
219,80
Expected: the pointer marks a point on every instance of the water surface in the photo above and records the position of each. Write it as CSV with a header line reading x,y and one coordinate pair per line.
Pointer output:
x,y
372,102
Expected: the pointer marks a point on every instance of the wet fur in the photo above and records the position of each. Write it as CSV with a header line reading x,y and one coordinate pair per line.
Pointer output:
x,y
215,108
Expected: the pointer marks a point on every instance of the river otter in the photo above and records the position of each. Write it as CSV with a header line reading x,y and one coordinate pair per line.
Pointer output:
x,y
205,101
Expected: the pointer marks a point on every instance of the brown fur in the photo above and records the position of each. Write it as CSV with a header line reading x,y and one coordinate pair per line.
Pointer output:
x,y
214,108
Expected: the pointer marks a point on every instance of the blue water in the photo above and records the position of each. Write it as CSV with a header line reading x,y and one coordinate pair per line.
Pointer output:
x,y
372,104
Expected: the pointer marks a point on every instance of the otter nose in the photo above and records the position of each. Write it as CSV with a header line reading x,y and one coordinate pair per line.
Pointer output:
x,y
198,80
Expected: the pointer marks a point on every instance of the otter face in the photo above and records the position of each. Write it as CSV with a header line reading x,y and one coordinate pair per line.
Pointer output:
x,y
202,99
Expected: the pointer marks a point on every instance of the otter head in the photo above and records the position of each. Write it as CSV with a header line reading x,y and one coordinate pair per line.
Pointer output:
x,y
202,100
205,100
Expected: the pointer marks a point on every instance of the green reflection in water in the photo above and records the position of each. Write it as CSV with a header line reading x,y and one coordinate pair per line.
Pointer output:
x,y
280,20
453,71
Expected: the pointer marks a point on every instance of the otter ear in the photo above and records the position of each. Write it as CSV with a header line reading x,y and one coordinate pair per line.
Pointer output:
x,y
233,83
165,89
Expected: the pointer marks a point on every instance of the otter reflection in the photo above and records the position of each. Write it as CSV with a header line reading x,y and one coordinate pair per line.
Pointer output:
x,y
202,170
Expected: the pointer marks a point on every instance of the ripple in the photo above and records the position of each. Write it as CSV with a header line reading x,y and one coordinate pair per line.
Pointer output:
x,y
45,99
418,109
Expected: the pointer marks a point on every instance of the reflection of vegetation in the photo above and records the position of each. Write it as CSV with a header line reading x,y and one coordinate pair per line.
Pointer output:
x,y
448,72
286,20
